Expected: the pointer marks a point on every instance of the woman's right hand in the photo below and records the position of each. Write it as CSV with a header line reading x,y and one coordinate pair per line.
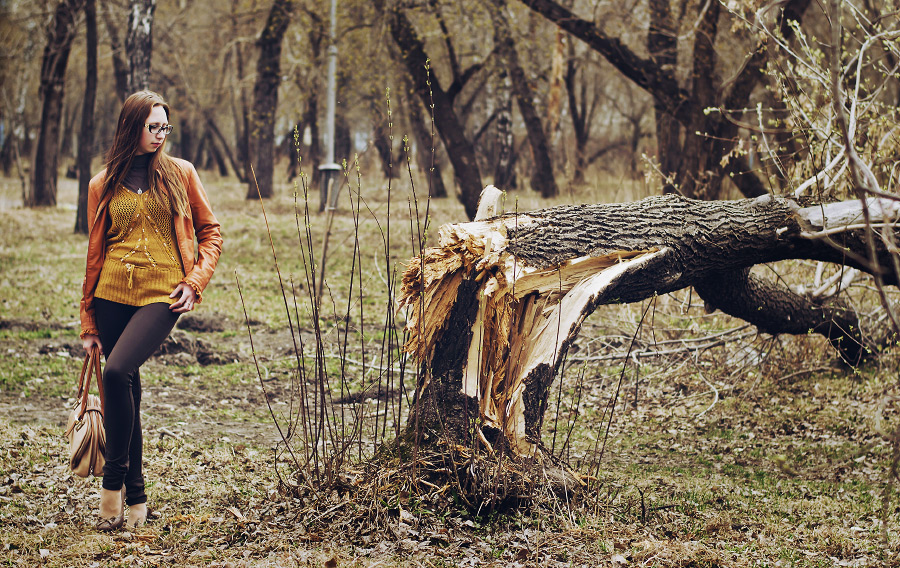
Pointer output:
x,y
89,341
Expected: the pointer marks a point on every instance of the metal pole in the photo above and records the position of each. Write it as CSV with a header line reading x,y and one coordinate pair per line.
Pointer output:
x,y
328,170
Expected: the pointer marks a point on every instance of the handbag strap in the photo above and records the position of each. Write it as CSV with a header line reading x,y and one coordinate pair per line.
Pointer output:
x,y
90,366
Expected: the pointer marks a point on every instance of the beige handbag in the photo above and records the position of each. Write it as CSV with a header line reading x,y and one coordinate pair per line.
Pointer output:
x,y
84,430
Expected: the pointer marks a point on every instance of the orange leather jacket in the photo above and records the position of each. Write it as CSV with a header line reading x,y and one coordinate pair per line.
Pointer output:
x,y
202,223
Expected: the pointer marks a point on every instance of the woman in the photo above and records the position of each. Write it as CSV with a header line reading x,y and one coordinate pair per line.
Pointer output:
x,y
144,211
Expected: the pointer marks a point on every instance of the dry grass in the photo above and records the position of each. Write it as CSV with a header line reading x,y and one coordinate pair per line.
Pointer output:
x,y
744,451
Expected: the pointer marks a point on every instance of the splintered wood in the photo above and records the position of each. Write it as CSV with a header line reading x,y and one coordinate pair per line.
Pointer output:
x,y
525,315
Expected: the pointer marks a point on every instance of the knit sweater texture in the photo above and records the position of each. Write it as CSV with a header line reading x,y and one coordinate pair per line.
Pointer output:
x,y
142,265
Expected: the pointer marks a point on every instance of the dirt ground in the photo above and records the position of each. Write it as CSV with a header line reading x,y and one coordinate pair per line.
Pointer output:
x,y
708,445
758,480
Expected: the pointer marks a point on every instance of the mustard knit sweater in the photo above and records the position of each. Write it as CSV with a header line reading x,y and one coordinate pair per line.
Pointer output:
x,y
142,265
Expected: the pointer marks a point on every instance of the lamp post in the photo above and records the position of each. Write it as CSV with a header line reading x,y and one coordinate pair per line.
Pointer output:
x,y
329,170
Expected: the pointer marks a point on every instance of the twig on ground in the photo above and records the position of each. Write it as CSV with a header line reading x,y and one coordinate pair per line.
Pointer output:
x,y
802,372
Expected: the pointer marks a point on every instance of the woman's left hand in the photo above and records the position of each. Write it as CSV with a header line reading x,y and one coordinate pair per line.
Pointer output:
x,y
187,297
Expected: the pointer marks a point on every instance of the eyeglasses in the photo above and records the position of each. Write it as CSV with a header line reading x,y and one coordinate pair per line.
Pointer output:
x,y
154,128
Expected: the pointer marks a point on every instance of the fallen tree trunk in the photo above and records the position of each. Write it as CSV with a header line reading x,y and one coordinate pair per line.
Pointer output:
x,y
496,305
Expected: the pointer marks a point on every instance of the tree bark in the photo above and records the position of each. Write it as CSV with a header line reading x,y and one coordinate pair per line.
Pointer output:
x,y
506,297
139,44
265,99
86,137
663,48
45,164
775,309
699,174
542,178
503,170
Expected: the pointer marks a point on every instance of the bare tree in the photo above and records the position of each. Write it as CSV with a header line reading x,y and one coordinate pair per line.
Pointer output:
x,y
261,139
120,66
542,178
306,74
591,93
20,44
45,165
86,136
428,87
504,173
139,43
428,157
662,44
583,98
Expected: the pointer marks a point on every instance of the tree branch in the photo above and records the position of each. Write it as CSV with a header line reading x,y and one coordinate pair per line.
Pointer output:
x,y
663,86
776,309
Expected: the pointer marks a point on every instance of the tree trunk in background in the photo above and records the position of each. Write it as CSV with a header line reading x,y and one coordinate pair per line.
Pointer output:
x,y
459,149
506,297
383,145
261,139
240,108
314,155
555,95
120,66
139,44
188,147
580,113
217,135
542,178
215,153
45,165
18,130
662,45
67,144
503,170
343,139
200,156
699,173
427,157
317,34
86,137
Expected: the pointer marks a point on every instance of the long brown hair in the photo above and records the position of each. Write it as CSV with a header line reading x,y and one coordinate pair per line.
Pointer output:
x,y
163,173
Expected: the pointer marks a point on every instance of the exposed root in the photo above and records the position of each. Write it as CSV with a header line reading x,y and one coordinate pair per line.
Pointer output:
x,y
382,494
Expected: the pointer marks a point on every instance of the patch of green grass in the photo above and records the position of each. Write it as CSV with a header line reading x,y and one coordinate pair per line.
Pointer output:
x,y
41,375
30,335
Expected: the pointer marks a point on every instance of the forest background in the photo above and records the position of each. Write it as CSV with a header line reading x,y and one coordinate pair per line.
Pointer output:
x,y
733,447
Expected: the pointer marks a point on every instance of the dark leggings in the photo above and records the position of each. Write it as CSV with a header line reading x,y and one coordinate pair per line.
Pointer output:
x,y
130,335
